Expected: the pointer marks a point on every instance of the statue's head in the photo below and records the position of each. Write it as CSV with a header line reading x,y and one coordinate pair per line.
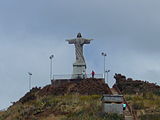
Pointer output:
x,y
79,35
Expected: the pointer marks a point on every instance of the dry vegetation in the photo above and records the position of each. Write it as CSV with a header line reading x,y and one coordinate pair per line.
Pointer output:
x,y
147,106
67,107
70,101
82,101
144,97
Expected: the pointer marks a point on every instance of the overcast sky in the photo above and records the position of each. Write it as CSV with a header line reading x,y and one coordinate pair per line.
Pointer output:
x,y
31,30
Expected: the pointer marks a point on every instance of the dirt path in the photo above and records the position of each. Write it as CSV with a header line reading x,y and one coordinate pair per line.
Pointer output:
x,y
127,114
114,92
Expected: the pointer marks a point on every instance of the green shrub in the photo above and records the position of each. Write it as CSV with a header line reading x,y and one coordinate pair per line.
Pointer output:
x,y
150,117
157,92
113,117
128,97
138,105
86,115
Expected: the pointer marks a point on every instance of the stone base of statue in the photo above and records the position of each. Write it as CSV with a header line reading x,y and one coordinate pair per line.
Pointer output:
x,y
79,71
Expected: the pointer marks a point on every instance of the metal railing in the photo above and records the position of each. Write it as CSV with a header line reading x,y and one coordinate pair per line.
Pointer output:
x,y
69,76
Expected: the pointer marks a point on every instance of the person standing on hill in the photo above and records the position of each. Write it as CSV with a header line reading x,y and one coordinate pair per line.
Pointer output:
x,y
83,74
124,106
93,73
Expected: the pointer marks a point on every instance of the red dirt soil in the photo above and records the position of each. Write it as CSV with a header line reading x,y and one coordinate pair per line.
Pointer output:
x,y
89,86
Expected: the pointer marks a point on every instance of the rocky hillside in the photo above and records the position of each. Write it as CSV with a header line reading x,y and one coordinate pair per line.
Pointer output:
x,y
82,101
83,87
130,86
142,96
69,101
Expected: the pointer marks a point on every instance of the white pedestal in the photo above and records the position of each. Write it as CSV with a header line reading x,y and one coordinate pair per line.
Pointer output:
x,y
79,71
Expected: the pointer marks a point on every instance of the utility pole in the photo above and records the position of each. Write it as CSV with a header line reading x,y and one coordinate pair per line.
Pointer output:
x,y
30,74
107,71
51,66
104,55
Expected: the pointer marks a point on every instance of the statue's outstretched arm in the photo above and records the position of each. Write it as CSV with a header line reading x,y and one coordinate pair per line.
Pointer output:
x,y
87,41
72,41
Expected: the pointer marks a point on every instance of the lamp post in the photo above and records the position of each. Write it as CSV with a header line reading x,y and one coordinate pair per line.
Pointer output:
x,y
107,71
30,74
51,66
104,55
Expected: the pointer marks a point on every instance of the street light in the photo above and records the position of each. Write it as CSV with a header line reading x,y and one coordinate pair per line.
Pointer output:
x,y
104,55
30,74
51,57
107,71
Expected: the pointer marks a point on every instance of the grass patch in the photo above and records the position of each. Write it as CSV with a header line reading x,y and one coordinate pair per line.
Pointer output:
x,y
150,117
67,107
